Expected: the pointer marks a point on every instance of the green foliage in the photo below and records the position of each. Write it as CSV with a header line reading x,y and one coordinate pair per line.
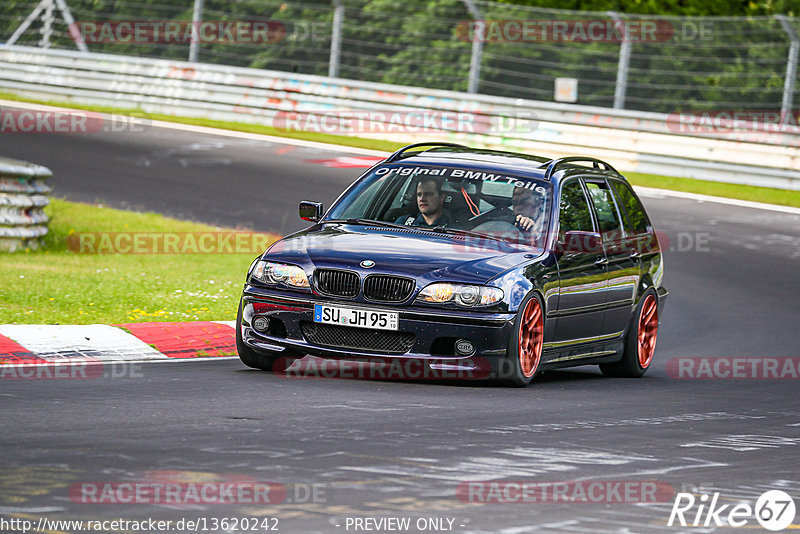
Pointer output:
x,y
698,63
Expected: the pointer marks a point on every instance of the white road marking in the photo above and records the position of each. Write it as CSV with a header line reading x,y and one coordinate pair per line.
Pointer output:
x,y
29,510
80,342
594,425
664,470
745,442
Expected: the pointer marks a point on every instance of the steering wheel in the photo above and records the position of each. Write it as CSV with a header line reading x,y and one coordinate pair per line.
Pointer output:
x,y
500,228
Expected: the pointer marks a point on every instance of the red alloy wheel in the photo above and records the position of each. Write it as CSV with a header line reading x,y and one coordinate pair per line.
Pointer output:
x,y
531,337
648,331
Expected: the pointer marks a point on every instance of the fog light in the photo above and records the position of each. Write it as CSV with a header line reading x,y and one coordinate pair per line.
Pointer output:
x,y
260,323
465,347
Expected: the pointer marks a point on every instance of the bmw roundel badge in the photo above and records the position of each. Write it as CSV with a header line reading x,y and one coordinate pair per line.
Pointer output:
x,y
368,264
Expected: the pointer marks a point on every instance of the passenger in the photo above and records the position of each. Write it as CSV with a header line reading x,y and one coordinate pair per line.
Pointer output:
x,y
528,210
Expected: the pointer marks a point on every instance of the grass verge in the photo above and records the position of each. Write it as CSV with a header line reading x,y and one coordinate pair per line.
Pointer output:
x,y
57,285
767,195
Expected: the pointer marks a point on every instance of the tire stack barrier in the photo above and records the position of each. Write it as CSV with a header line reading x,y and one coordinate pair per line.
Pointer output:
x,y
23,196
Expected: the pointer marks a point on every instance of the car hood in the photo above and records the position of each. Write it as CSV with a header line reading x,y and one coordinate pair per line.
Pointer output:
x,y
407,252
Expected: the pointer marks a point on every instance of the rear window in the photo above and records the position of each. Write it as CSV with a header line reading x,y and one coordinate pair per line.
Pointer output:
x,y
636,221
607,216
574,214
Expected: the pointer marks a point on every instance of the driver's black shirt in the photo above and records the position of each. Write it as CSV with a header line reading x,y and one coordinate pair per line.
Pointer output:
x,y
442,220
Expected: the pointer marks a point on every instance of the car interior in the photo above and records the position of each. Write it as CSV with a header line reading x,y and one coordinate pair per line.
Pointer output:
x,y
474,205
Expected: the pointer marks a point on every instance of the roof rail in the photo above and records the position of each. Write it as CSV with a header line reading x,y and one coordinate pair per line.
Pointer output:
x,y
553,165
396,155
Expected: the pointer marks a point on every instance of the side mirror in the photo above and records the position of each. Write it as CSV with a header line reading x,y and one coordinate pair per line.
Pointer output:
x,y
581,242
310,211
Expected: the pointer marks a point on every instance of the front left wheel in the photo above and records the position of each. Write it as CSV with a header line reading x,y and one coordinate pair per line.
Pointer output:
x,y
525,346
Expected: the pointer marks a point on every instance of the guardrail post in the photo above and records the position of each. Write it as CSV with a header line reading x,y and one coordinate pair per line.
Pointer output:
x,y
477,47
47,24
74,32
23,195
336,38
622,66
45,42
194,45
791,65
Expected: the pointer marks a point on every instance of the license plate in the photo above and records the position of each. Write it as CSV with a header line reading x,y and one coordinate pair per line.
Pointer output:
x,y
357,317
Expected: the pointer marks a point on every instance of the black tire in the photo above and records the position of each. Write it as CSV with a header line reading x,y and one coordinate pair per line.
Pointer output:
x,y
512,372
248,356
631,366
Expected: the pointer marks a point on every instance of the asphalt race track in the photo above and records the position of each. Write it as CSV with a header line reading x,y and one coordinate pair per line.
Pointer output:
x,y
378,448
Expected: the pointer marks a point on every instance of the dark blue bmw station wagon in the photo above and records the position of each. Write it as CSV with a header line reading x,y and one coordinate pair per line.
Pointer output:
x,y
496,263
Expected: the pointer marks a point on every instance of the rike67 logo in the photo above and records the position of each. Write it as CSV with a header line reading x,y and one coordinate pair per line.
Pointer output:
x,y
774,510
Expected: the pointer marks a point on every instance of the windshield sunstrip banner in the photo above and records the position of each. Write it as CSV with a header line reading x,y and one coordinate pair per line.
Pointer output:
x,y
458,174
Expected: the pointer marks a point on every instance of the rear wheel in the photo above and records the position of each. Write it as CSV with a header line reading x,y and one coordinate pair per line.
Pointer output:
x,y
525,346
640,343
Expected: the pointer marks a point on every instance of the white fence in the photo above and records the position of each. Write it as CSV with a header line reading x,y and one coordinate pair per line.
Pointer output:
x,y
631,141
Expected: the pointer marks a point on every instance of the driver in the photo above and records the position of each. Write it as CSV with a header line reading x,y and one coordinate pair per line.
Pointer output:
x,y
430,201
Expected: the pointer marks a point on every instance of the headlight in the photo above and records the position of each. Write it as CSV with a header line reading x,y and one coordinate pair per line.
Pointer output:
x,y
280,273
461,294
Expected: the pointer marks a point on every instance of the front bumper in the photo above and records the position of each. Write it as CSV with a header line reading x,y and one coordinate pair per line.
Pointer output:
x,y
435,331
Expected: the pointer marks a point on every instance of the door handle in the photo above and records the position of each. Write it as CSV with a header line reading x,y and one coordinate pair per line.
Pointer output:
x,y
601,260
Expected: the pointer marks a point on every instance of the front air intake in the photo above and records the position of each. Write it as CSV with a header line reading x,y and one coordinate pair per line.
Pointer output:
x,y
337,283
384,288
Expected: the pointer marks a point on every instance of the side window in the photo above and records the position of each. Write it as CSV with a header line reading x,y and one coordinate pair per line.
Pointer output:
x,y
636,221
605,208
574,211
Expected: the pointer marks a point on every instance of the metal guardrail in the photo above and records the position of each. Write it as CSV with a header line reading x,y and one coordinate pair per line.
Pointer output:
x,y
23,196
633,141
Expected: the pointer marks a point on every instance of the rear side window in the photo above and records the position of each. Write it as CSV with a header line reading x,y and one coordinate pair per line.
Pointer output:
x,y
574,214
636,221
607,215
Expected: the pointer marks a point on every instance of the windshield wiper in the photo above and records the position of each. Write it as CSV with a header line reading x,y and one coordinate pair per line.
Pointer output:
x,y
458,231
435,229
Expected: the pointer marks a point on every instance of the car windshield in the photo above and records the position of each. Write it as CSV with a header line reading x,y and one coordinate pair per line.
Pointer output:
x,y
442,199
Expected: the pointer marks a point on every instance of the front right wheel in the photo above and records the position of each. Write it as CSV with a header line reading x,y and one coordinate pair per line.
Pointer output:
x,y
640,343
